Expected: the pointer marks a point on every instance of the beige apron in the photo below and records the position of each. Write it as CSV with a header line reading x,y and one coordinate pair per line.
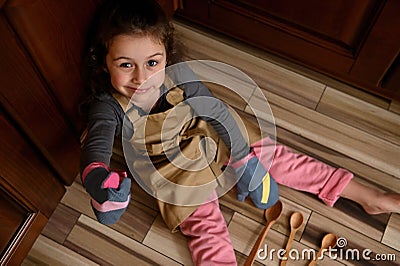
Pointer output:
x,y
172,159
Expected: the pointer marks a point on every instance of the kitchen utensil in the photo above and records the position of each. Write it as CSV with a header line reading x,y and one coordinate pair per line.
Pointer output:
x,y
329,241
271,215
296,220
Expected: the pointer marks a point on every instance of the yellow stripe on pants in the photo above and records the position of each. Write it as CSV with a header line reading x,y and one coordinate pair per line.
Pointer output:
x,y
266,188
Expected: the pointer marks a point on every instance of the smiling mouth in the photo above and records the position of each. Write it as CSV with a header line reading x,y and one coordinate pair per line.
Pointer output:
x,y
136,90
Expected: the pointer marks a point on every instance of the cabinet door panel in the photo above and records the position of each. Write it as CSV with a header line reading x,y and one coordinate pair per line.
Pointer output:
x,y
27,99
54,33
25,173
340,22
355,41
29,192
381,47
12,217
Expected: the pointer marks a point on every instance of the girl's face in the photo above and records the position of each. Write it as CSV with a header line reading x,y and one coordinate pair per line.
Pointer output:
x,y
131,60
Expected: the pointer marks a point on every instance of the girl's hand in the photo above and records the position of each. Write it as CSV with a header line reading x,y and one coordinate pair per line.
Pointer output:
x,y
110,193
255,181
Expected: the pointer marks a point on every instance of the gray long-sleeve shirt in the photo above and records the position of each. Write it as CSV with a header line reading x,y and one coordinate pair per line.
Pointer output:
x,y
106,116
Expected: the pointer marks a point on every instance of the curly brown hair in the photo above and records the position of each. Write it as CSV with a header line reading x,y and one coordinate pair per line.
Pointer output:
x,y
124,17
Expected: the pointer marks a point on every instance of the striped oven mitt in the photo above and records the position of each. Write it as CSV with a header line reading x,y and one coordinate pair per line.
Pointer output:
x,y
109,191
256,182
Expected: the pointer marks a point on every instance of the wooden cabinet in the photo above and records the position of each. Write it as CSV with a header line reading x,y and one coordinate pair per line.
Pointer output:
x,y
355,41
32,104
40,54
40,50
29,192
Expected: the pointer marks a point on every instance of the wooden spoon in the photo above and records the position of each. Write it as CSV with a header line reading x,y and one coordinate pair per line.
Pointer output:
x,y
329,241
296,220
271,215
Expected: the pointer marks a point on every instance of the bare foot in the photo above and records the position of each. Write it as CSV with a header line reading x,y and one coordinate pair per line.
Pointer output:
x,y
372,200
384,203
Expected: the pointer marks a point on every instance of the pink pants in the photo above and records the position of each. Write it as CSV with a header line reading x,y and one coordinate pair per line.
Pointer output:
x,y
209,241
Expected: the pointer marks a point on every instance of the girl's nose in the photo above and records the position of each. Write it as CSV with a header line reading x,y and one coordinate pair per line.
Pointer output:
x,y
139,75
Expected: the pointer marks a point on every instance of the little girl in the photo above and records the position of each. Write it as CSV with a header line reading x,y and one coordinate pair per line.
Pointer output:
x,y
133,40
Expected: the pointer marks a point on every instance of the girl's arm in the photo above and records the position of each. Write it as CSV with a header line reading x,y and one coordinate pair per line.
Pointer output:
x,y
217,114
104,123
254,180
109,190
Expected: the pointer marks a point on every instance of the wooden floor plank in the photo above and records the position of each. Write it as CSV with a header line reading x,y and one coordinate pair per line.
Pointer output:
x,y
219,73
173,245
61,223
248,209
241,259
319,225
362,115
227,96
281,62
139,195
48,252
280,80
360,94
135,222
345,213
392,233
395,107
106,246
245,231
331,133
378,178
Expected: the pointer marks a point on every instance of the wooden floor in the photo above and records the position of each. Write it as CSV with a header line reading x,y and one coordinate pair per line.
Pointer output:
x,y
313,115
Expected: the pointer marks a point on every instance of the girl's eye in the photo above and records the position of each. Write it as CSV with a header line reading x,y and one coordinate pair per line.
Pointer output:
x,y
126,65
152,63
